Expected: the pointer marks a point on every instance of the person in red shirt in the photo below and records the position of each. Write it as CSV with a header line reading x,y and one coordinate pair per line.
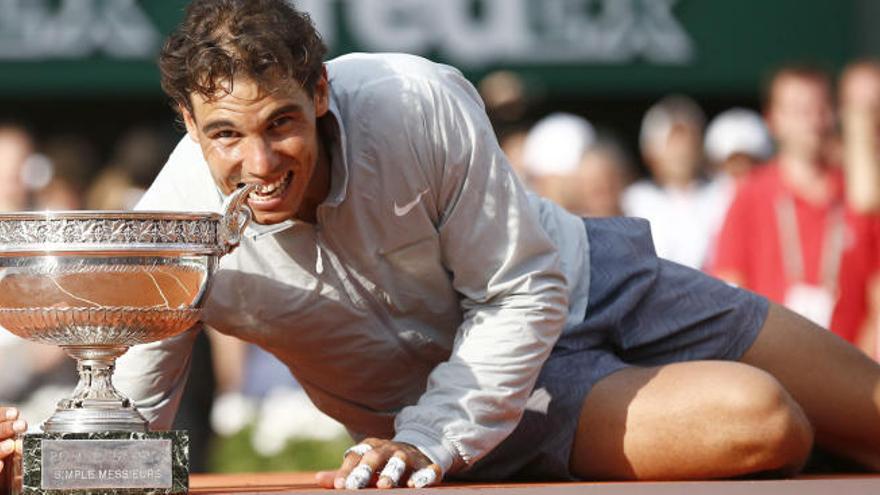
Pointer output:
x,y
789,234
859,104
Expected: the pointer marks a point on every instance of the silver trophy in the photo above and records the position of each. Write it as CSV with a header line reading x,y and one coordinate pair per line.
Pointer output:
x,y
96,283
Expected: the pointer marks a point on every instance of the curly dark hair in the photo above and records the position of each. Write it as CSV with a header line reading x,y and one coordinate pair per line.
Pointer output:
x,y
265,40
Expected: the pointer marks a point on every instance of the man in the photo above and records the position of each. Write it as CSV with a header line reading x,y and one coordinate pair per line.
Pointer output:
x,y
859,106
678,201
788,233
552,151
737,141
598,183
419,296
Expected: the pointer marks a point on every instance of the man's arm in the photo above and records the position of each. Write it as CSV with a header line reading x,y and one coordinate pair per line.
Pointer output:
x,y
154,376
514,298
860,119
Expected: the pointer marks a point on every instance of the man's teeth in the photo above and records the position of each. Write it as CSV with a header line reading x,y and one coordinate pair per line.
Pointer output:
x,y
266,191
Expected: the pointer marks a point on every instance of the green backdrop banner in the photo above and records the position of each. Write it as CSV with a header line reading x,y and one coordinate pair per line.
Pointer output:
x,y
67,48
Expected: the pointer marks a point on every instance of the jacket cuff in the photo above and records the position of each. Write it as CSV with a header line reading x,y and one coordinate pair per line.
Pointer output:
x,y
434,448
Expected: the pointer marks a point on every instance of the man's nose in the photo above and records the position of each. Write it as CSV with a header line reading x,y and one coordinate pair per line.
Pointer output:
x,y
261,160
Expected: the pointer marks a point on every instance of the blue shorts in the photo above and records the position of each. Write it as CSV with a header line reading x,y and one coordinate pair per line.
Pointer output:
x,y
642,311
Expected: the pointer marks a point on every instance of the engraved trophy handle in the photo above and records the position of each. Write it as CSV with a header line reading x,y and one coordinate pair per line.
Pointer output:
x,y
236,217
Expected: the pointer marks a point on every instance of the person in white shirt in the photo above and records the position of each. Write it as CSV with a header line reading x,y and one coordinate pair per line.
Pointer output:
x,y
676,199
458,327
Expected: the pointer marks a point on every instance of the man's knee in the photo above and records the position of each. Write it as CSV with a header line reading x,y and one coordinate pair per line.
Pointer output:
x,y
765,428
695,420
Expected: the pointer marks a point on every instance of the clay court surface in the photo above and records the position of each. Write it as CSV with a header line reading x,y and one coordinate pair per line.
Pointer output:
x,y
304,483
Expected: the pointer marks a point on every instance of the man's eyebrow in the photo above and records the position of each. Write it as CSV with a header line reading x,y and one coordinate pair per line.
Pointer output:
x,y
289,108
216,124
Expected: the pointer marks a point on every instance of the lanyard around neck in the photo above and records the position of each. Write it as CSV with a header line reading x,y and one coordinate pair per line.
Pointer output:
x,y
792,247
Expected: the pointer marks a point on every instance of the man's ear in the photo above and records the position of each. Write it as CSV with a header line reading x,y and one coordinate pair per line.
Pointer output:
x,y
322,94
190,123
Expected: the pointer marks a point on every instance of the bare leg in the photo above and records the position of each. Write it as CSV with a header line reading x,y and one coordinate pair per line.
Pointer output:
x,y
694,420
837,386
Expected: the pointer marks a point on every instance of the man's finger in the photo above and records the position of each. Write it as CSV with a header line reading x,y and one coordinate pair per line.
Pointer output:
x,y
325,478
359,477
348,464
393,471
8,413
11,428
352,458
7,447
425,477
362,474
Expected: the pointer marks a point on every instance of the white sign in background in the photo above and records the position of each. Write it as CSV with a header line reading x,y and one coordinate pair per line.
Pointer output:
x,y
520,31
71,29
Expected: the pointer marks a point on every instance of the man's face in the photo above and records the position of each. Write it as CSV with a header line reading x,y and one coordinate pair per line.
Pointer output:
x,y
677,159
251,135
800,115
596,187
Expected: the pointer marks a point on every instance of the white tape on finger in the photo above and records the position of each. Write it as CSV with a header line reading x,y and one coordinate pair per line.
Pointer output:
x,y
359,477
394,470
359,449
424,477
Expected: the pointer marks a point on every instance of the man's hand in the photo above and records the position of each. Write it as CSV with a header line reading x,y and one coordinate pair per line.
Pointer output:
x,y
378,466
10,426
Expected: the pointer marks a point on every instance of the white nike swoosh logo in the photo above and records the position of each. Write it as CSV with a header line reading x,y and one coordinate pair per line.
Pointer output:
x,y
403,210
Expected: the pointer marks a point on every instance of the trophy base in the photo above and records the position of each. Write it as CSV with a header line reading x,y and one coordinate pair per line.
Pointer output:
x,y
102,463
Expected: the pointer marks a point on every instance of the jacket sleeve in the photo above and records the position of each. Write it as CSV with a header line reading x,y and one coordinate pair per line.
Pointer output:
x,y
154,375
514,299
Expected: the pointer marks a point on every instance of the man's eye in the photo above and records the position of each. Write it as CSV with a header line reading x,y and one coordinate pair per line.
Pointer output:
x,y
280,122
223,134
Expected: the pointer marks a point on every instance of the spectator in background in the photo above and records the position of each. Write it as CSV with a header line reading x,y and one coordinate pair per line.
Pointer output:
x,y
35,375
512,143
859,101
677,199
16,146
737,140
504,95
859,106
136,159
788,229
552,151
596,186
71,160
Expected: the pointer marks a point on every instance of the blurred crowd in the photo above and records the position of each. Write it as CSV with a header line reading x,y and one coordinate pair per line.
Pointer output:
x,y
783,200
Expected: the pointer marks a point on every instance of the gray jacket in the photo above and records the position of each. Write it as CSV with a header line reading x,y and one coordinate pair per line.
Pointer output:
x,y
424,301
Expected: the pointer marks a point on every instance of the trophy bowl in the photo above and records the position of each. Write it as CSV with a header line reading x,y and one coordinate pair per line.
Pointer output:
x,y
97,282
